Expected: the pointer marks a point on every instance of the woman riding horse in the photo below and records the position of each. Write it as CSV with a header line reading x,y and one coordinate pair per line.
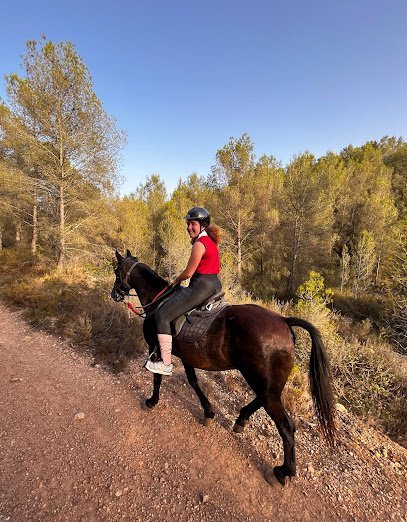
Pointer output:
x,y
250,338
202,269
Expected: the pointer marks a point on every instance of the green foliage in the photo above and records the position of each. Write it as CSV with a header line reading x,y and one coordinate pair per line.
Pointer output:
x,y
368,376
306,217
397,313
153,194
366,306
174,241
313,290
363,262
394,153
131,226
373,382
366,214
313,299
242,200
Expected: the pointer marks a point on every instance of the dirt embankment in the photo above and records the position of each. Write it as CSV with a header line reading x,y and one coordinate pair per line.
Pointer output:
x,y
75,444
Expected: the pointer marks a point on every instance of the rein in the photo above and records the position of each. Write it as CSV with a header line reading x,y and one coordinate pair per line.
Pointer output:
x,y
130,306
135,309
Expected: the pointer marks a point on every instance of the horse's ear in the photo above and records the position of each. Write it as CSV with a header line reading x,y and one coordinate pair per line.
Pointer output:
x,y
128,253
119,257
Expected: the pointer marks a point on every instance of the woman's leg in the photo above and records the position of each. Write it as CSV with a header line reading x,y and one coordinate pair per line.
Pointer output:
x,y
165,342
183,301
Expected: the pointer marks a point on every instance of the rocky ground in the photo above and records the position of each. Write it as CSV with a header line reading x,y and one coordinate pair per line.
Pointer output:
x,y
75,444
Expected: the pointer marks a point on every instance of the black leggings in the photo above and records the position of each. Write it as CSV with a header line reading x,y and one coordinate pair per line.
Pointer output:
x,y
201,287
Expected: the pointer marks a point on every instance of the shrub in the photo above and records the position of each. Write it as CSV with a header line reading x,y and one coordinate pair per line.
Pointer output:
x,y
76,305
368,376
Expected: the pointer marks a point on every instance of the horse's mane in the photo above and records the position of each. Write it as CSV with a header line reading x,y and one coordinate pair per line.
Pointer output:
x,y
152,278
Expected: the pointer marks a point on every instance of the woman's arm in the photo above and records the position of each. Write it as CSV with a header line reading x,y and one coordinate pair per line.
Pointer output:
x,y
198,250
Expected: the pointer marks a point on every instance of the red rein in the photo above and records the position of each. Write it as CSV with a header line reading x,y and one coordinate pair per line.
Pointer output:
x,y
135,311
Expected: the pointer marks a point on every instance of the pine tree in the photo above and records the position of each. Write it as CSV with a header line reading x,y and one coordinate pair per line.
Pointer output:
x,y
153,194
363,262
69,129
306,217
236,191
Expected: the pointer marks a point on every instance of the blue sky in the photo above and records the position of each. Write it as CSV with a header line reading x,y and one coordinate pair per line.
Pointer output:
x,y
182,77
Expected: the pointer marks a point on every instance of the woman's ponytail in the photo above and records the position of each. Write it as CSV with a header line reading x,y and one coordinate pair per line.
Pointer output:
x,y
213,232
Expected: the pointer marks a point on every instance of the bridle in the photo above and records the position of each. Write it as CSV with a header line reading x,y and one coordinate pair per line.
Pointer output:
x,y
124,282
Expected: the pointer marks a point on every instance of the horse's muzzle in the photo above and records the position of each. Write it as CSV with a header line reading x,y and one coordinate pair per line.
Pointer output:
x,y
117,294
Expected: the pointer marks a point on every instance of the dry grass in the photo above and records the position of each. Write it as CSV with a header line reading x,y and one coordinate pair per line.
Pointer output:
x,y
76,305
369,377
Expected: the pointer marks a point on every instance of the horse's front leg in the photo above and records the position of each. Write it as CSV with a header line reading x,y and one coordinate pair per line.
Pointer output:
x,y
206,405
157,378
153,400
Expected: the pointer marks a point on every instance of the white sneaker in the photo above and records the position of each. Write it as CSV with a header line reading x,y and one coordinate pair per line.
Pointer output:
x,y
159,367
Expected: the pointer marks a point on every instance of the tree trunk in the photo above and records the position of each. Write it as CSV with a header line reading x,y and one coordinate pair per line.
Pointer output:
x,y
293,270
61,256
239,249
377,269
154,252
18,232
345,259
35,227
262,262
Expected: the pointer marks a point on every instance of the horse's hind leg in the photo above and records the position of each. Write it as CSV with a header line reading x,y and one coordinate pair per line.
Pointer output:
x,y
206,405
245,414
285,427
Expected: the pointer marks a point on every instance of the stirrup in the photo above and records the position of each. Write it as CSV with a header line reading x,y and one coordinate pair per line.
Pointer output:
x,y
153,357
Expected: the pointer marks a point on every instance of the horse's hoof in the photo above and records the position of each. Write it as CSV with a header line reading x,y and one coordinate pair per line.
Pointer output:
x,y
272,478
208,421
238,428
147,405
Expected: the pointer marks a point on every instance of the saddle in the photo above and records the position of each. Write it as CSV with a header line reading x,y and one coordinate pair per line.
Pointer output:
x,y
192,325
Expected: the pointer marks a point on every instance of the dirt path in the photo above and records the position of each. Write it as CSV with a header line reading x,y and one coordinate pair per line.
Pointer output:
x,y
121,463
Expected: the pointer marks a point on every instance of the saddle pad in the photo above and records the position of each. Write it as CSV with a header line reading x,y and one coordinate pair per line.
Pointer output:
x,y
197,323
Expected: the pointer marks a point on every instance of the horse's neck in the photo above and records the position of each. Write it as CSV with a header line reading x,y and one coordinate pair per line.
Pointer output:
x,y
147,284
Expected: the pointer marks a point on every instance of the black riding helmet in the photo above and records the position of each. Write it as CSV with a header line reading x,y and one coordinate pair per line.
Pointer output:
x,y
199,214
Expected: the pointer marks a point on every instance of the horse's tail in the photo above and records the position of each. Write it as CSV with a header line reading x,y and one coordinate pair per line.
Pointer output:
x,y
320,378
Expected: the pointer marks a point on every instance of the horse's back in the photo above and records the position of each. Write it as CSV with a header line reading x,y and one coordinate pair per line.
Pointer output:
x,y
239,336
261,328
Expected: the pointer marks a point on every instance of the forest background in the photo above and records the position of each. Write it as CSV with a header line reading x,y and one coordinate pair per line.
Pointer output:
x,y
323,238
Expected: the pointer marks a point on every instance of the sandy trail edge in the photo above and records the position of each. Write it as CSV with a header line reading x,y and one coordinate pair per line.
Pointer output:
x,y
121,463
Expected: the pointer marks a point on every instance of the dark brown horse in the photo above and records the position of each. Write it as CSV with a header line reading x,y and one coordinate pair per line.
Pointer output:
x,y
256,341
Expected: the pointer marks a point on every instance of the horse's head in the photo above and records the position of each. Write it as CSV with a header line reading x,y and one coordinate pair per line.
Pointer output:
x,y
125,265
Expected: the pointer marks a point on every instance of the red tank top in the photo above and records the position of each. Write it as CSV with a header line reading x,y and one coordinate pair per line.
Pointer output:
x,y
210,262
